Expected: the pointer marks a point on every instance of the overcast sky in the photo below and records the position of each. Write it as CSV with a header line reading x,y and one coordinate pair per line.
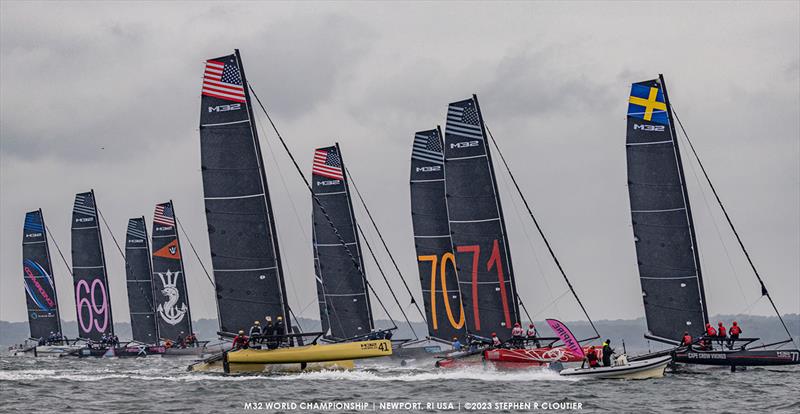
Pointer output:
x,y
107,96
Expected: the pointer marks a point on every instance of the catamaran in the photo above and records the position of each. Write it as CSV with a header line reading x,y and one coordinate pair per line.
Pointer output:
x,y
472,235
669,262
246,260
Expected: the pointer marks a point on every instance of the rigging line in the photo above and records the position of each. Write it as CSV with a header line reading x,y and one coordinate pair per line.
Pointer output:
x,y
321,207
385,279
764,291
535,255
189,239
260,125
552,302
385,247
541,232
63,259
719,233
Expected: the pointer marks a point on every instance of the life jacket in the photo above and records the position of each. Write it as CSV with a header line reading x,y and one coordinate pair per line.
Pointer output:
x,y
735,330
592,358
531,332
687,339
517,331
710,331
495,341
721,331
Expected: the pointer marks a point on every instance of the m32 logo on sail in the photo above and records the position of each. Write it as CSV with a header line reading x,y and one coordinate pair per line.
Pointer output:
x,y
225,108
648,128
328,182
431,168
465,144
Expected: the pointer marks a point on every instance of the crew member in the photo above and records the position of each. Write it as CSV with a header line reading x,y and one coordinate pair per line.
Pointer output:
x,y
607,351
721,334
456,344
735,331
280,330
181,340
496,341
255,331
168,343
191,340
687,340
710,331
240,341
517,336
591,358
531,334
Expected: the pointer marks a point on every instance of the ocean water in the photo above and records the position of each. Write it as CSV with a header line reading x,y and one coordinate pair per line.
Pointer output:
x,y
162,385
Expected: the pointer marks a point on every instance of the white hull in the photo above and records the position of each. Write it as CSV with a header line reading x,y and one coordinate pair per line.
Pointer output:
x,y
52,351
644,369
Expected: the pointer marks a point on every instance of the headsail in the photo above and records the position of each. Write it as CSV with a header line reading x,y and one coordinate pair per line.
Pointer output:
x,y
241,227
169,278
138,272
435,259
341,289
666,247
477,227
89,270
37,272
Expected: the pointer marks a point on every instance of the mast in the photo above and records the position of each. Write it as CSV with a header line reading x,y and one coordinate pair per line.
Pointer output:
x,y
40,285
666,247
169,279
248,273
139,272
270,216
89,270
435,259
685,190
477,230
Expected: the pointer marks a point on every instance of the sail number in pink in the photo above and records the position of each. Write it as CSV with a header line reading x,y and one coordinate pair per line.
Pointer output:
x,y
86,297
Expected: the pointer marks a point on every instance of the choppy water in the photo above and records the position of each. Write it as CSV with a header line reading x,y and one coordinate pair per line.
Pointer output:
x,y
159,385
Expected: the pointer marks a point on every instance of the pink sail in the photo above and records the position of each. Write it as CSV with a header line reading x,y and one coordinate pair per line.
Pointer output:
x,y
566,335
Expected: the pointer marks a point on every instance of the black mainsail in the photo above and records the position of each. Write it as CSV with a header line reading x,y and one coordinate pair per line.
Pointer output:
x,y
89,270
477,227
666,246
435,258
241,227
138,273
37,272
341,289
169,278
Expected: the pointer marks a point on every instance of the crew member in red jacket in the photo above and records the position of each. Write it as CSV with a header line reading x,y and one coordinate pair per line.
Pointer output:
x,y
735,331
687,340
240,341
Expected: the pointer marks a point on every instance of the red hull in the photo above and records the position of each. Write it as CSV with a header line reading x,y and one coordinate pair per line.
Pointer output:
x,y
517,358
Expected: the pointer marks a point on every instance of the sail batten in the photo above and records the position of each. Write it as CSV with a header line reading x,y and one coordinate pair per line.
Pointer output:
x,y
89,271
138,272
40,285
435,258
666,247
477,227
241,228
342,295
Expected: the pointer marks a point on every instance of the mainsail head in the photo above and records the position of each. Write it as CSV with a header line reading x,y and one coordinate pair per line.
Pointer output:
x,y
241,229
138,275
435,258
477,227
89,270
341,289
666,248
37,273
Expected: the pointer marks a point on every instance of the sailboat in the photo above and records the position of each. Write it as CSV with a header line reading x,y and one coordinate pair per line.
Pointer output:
x,y
40,291
248,275
171,297
670,269
480,247
138,272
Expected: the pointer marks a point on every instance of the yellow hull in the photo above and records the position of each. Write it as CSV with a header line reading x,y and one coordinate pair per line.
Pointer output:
x,y
217,366
312,353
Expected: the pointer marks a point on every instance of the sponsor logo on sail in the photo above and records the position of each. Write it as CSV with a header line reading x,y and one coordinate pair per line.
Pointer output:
x,y
168,310
33,235
225,108
464,144
38,294
430,168
329,182
170,251
648,128
84,219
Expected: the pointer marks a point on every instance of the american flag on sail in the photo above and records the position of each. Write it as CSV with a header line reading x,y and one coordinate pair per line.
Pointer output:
x,y
84,204
164,215
428,147
223,80
327,163
463,120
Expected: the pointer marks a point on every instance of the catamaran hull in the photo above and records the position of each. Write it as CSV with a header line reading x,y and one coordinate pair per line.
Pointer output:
x,y
121,352
740,358
643,369
219,366
47,351
536,356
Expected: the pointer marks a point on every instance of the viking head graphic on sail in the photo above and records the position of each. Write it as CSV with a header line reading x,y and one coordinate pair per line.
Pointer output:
x,y
171,313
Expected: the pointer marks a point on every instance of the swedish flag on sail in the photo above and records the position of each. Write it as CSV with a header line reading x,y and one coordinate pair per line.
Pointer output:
x,y
647,102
